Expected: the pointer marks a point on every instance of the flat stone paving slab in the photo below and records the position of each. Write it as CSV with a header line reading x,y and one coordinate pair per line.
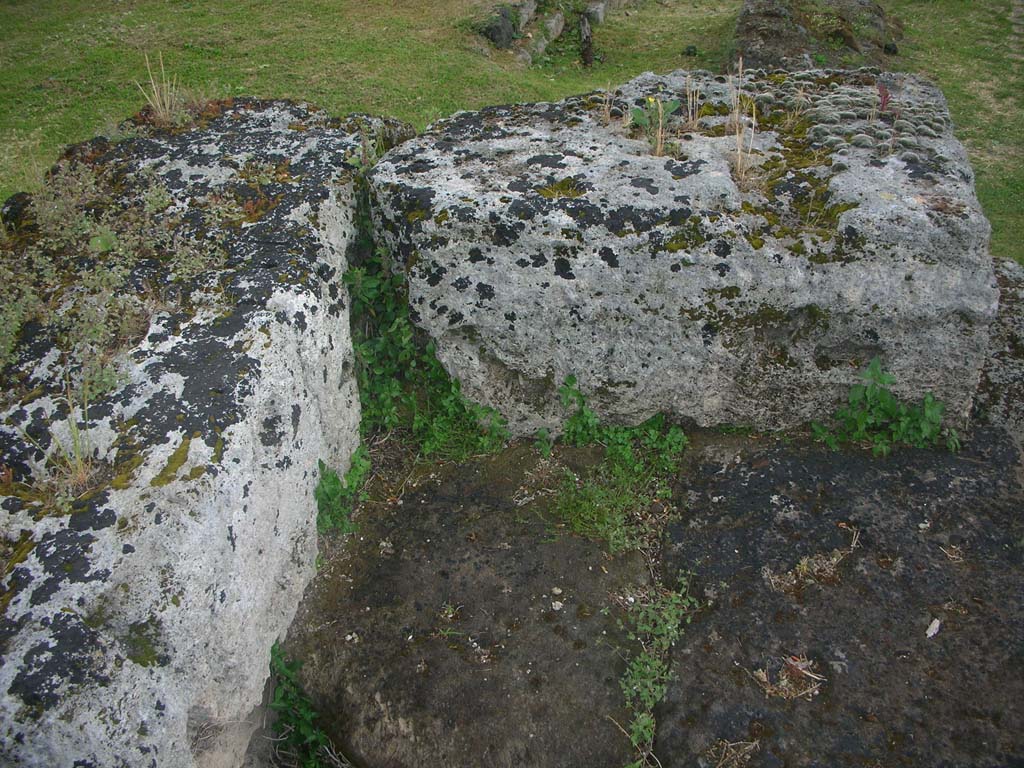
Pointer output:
x,y
460,629
917,633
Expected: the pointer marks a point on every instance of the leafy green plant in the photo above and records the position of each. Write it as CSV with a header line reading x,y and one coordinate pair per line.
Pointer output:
x,y
401,381
651,118
655,621
583,426
876,416
335,499
300,741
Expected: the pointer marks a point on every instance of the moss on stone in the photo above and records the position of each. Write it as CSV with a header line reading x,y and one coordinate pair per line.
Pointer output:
x,y
174,463
126,472
686,238
568,187
141,643
14,557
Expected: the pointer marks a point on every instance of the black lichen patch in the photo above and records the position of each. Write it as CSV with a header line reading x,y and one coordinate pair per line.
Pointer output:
x,y
271,431
680,170
547,161
64,556
49,671
645,184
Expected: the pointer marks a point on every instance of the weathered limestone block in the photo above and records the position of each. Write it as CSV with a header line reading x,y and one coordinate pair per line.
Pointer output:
x,y
543,240
139,606
797,34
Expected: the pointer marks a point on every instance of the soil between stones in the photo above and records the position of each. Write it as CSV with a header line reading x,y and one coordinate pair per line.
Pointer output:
x,y
431,639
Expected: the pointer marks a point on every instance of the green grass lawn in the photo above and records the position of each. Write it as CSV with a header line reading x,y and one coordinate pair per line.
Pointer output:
x,y
68,68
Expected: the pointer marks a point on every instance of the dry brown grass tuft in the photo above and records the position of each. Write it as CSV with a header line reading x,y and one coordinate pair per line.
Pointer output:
x,y
165,99
731,754
796,680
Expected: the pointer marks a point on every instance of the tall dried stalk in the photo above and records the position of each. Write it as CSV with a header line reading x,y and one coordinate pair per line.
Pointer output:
x,y
163,96
606,104
692,103
738,118
659,134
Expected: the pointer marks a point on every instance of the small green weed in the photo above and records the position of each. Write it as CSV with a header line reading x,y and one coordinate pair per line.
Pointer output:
x,y
544,443
301,742
874,415
335,499
602,506
613,500
655,621
651,118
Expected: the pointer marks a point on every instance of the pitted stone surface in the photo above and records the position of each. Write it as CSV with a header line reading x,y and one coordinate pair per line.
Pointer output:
x,y
137,624
1000,398
541,242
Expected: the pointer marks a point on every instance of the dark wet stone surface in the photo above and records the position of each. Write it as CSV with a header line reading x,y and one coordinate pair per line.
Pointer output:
x,y
940,537
435,639
429,638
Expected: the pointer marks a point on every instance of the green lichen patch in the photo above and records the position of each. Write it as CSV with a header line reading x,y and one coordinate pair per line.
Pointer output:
x,y
13,554
142,643
687,238
417,215
170,471
778,327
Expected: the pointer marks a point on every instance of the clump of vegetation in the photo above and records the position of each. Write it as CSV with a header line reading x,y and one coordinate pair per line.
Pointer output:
x,y
655,621
623,501
401,382
874,415
652,119
335,498
300,741
90,272
614,500
71,469
164,97
568,187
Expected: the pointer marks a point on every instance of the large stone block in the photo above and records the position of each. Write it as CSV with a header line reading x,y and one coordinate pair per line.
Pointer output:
x,y
542,240
140,604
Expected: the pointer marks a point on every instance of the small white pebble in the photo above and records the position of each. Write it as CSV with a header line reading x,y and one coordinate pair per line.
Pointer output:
x,y
556,591
556,605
